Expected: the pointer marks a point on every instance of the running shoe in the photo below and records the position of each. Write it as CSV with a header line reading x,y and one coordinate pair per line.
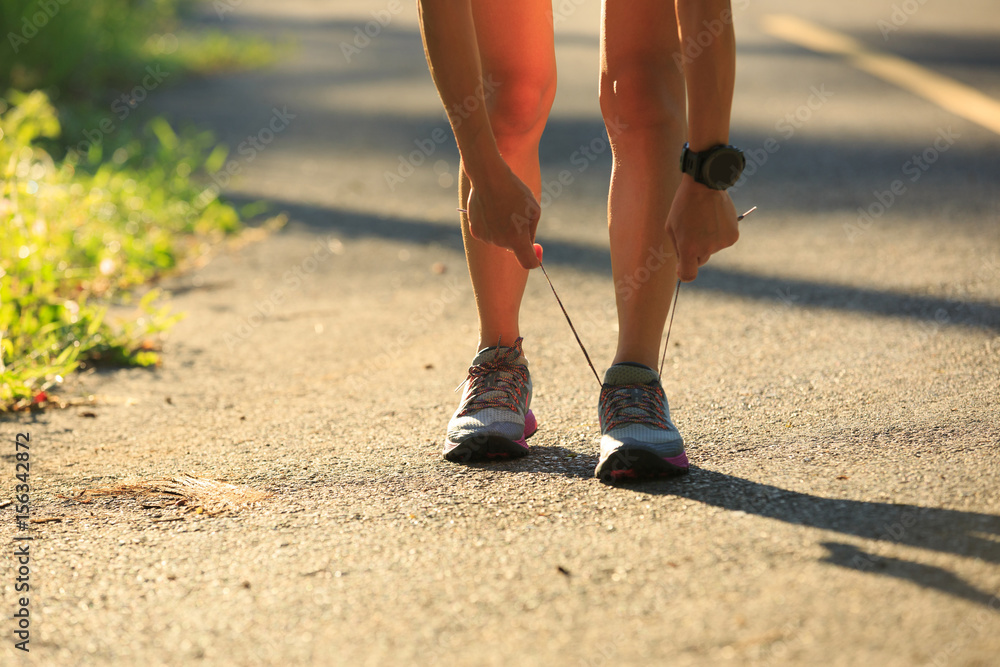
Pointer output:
x,y
493,420
638,440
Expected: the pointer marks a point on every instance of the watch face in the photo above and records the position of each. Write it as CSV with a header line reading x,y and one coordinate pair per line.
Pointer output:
x,y
723,168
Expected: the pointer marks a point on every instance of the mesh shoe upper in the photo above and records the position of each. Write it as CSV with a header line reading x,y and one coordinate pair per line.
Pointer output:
x,y
496,398
634,412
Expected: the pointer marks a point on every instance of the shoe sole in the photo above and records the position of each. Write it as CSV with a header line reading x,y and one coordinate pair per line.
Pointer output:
x,y
491,447
629,464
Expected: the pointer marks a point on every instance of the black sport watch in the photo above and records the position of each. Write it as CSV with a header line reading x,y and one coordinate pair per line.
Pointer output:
x,y
718,167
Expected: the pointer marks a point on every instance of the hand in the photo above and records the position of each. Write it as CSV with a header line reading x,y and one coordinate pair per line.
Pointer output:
x,y
503,211
701,222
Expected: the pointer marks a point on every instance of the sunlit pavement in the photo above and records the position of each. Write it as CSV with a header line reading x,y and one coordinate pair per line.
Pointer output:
x,y
836,375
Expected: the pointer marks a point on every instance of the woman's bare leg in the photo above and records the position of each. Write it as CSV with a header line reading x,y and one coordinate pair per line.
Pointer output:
x,y
643,103
519,74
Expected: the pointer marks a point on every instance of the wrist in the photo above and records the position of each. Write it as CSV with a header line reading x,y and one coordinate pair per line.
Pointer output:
x,y
481,157
485,169
718,167
690,183
705,142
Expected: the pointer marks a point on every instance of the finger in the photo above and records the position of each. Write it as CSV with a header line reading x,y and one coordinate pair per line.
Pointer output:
x,y
673,240
525,253
479,231
687,268
534,210
478,227
526,224
538,252
687,265
473,215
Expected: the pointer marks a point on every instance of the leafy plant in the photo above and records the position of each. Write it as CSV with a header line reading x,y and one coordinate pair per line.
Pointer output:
x,y
83,224
80,49
78,235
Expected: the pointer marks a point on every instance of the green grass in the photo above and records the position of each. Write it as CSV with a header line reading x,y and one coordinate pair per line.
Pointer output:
x,y
83,225
79,235
78,50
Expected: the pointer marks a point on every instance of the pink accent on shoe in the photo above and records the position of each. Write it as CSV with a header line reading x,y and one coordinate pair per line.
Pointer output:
x,y
680,461
530,426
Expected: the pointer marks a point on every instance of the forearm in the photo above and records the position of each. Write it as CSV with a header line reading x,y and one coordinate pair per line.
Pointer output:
x,y
711,75
449,36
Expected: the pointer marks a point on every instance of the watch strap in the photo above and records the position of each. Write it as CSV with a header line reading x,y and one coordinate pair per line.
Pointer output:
x,y
692,162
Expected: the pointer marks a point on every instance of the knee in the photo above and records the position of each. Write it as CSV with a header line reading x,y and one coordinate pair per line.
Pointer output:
x,y
519,105
640,96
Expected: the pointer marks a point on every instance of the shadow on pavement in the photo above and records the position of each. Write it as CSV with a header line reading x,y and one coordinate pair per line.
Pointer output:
x,y
929,576
936,311
968,534
544,459
813,176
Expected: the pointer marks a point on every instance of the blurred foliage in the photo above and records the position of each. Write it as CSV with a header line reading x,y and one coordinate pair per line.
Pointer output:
x,y
76,50
82,223
77,235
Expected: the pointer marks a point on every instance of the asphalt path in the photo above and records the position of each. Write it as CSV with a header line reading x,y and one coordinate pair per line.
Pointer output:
x,y
836,375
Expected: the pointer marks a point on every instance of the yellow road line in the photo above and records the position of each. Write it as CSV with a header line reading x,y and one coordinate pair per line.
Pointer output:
x,y
958,98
